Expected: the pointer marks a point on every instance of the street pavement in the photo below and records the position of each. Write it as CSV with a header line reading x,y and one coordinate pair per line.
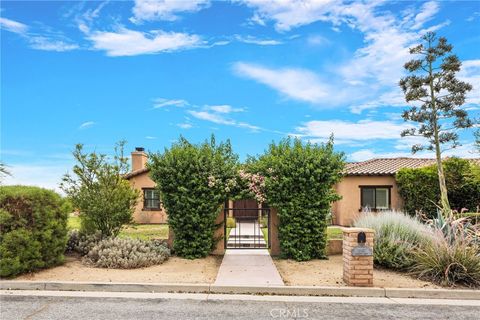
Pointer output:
x,y
105,306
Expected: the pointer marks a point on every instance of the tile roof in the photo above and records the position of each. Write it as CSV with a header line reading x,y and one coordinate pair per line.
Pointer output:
x,y
385,166
372,167
135,173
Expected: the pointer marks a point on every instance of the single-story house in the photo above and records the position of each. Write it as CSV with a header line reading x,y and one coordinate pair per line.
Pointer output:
x,y
367,184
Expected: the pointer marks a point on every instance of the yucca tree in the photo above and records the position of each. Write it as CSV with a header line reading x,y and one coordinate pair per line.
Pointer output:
x,y
432,83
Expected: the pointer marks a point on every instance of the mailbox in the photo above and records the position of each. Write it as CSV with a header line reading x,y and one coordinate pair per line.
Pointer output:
x,y
362,249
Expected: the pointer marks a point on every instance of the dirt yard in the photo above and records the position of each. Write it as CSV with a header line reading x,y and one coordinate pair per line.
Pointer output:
x,y
173,270
329,273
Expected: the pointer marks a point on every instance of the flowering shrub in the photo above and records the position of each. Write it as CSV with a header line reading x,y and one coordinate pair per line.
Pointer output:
x,y
194,181
297,179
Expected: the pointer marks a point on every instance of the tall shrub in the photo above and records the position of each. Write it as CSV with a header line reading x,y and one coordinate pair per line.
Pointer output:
x,y
105,199
420,191
299,184
33,229
192,179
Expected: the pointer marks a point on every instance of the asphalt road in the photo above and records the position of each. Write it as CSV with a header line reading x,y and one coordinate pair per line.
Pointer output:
x,y
178,307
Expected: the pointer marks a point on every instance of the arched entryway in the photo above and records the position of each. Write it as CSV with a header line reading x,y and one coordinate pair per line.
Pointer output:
x,y
247,224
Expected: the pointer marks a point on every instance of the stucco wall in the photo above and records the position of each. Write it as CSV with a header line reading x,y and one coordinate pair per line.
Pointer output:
x,y
347,209
140,216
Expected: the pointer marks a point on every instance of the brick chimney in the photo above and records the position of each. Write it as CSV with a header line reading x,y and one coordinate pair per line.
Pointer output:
x,y
139,159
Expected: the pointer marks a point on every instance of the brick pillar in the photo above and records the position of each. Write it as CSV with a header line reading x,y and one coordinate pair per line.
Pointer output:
x,y
357,270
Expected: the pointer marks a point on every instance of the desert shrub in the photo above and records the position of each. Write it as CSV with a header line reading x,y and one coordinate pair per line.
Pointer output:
x,y
126,253
106,200
299,180
454,255
231,223
420,190
82,243
192,179
397,236
33,229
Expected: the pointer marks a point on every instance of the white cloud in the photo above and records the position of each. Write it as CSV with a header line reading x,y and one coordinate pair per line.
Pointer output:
x,y
363,130
465,151
165,9
254,40
291,14
162,103
212,117
184,125
86,125
13,26
393,98
219,118
296,83
49,41
47,44
377,66
224,109
150,137
125,42
470,72
317,40
428,11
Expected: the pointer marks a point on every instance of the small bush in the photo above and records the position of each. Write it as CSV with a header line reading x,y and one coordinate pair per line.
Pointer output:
x,y
397,236
120,253
82,243
448,263
33,229
454,255
231,223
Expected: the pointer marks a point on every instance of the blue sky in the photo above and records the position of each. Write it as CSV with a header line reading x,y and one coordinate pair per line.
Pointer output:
x,y
252,71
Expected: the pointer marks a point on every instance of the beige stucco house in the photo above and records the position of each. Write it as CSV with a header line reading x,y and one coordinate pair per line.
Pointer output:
x,y
149,209
367,184
371,184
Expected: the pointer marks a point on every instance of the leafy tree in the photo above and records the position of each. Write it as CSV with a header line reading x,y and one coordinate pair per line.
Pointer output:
x,y
105,199
299,180
433,84
193,181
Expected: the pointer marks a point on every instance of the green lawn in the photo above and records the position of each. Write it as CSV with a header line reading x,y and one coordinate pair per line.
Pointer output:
x,y
334,233
136,231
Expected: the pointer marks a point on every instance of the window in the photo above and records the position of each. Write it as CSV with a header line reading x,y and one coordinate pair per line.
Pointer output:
x,y
151,199
375,198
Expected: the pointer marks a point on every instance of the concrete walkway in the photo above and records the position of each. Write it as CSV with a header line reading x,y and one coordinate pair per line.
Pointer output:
x,y
248,267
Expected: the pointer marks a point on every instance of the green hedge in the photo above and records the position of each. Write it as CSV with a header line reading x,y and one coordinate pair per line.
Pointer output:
x,y
192,179
420,190
299,184
33,229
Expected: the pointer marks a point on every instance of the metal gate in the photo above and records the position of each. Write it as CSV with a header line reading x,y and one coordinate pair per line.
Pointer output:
x,y
247,228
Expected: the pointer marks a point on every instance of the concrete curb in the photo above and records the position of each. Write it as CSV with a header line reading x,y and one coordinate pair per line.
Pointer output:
x,y
267,290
